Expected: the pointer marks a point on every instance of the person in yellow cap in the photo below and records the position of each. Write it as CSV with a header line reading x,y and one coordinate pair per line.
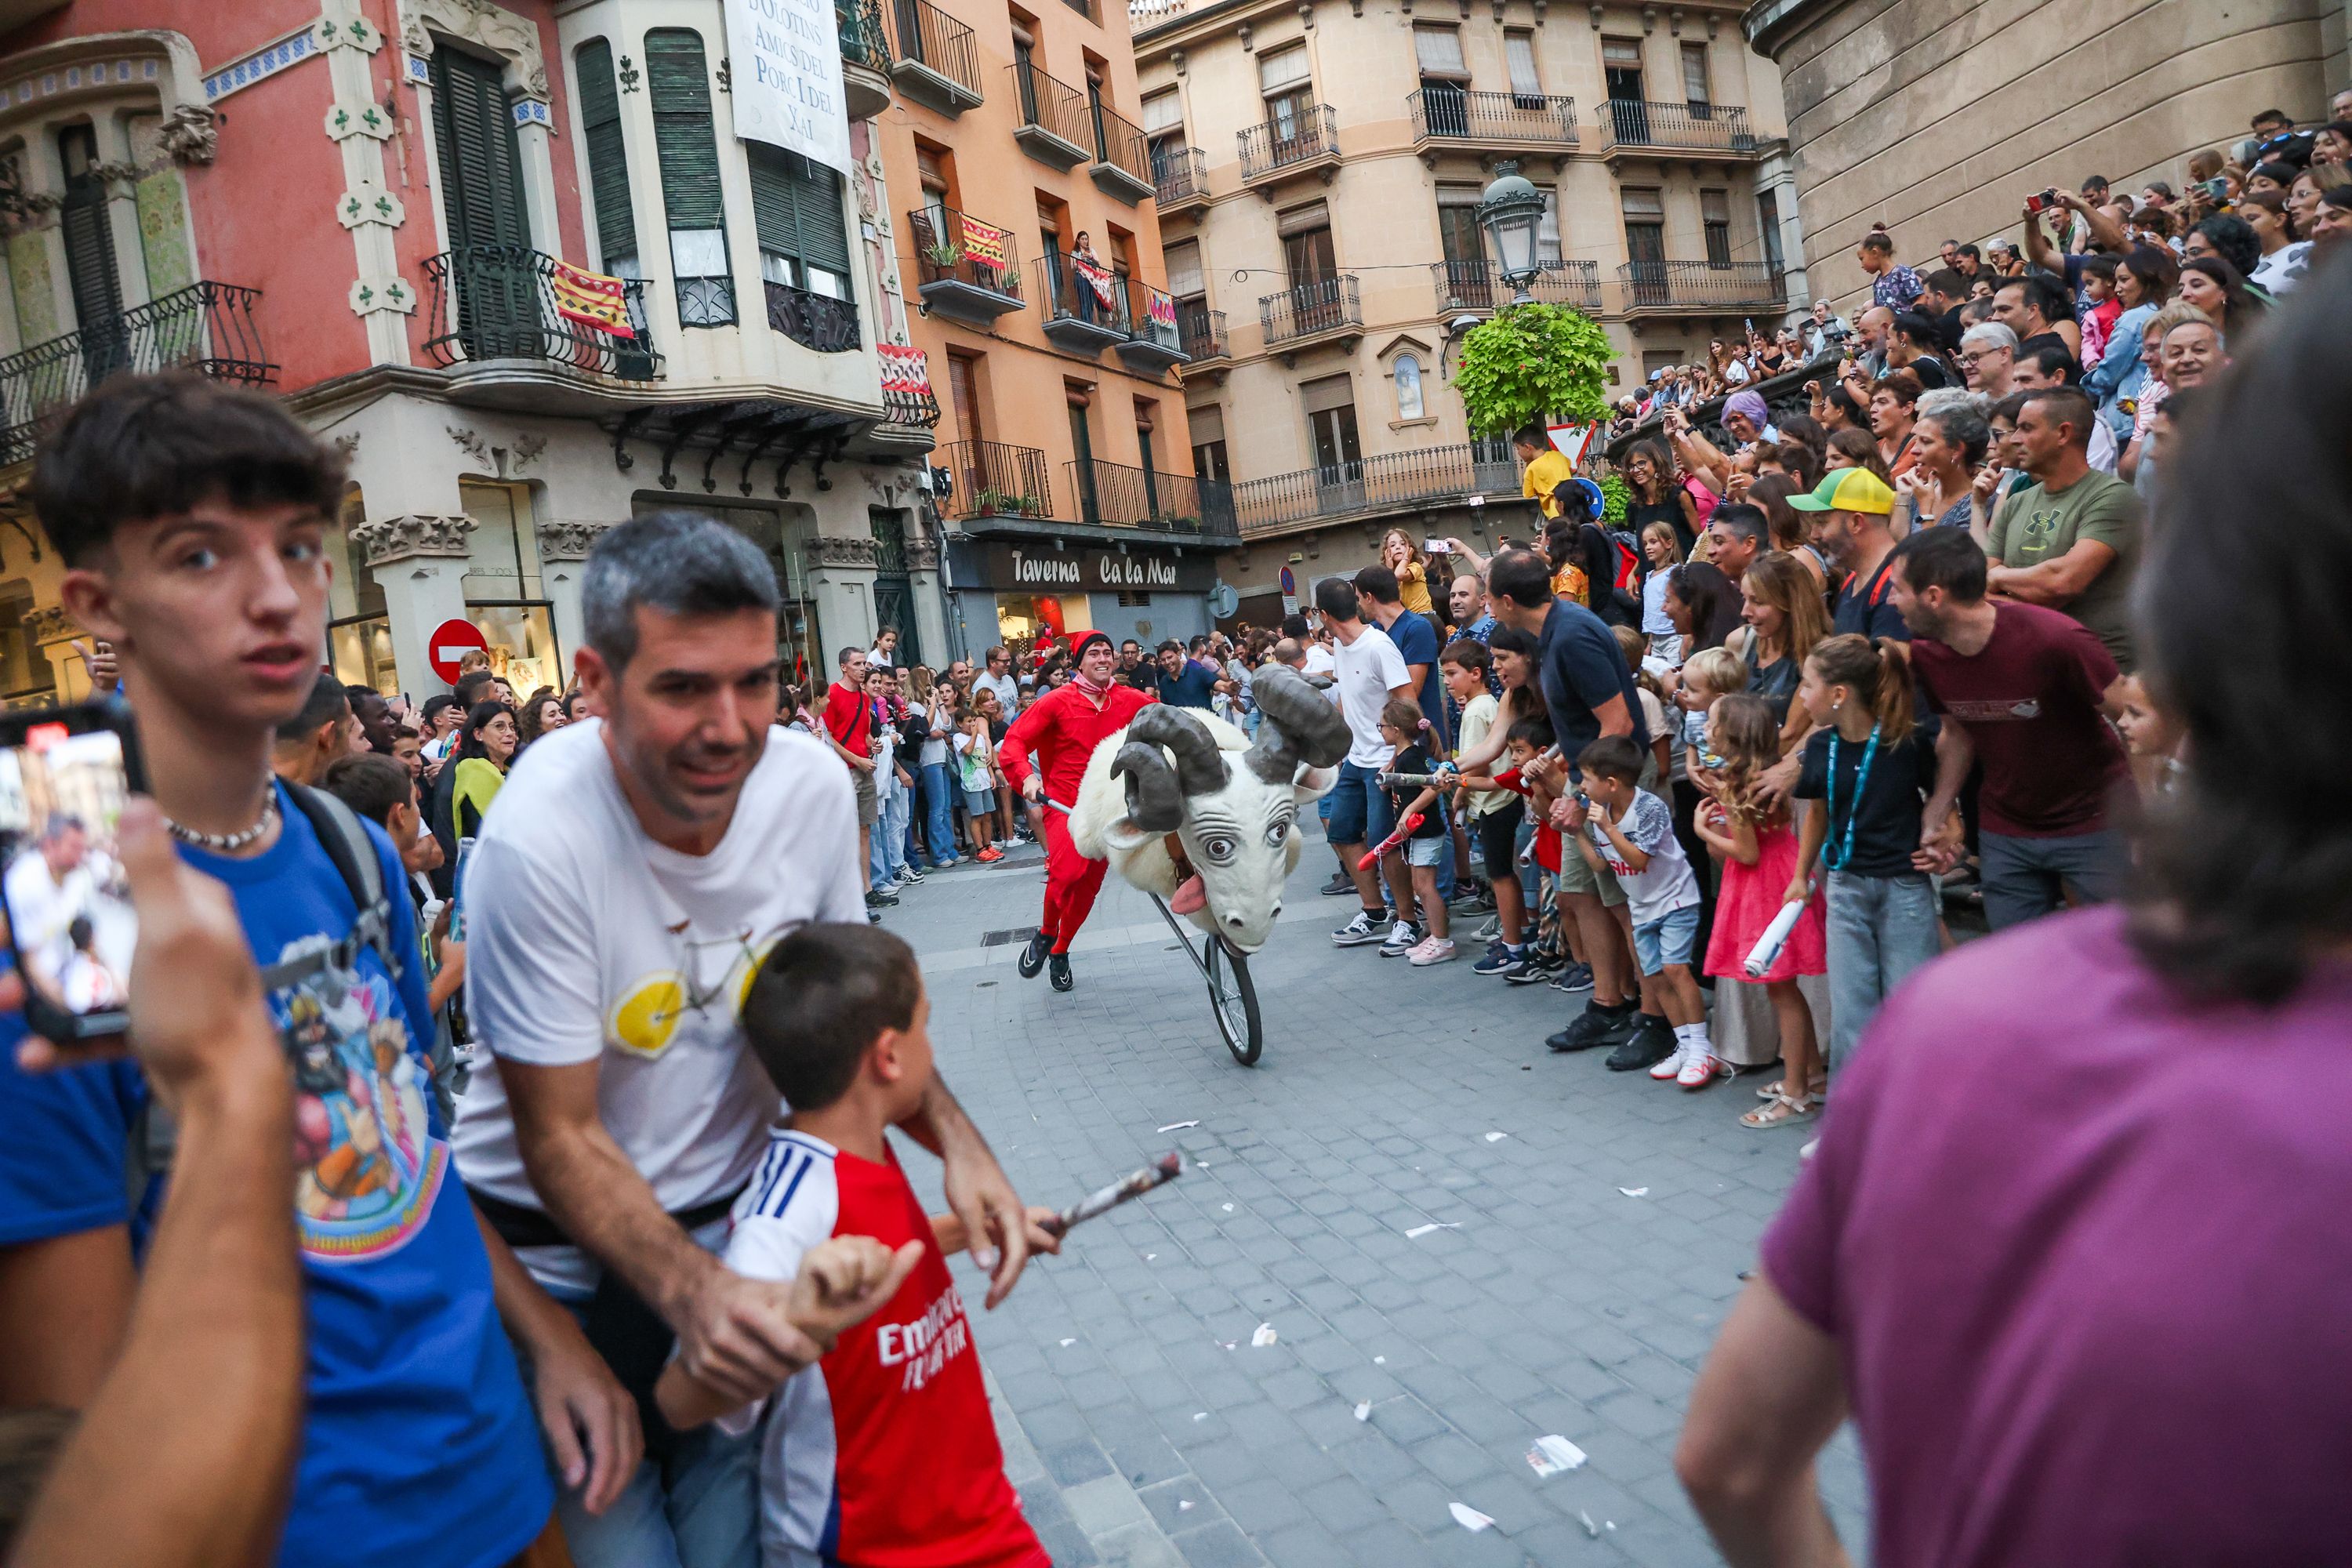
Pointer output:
x,y
1850,509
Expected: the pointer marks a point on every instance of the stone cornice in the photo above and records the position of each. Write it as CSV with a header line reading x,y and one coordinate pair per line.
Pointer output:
x,y
426,534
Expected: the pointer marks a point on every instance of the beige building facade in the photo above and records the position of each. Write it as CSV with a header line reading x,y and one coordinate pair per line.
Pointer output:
x,y
1937,117
1318,169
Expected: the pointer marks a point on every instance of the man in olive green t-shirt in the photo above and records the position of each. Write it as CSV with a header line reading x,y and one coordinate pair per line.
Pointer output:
x,y
2070,540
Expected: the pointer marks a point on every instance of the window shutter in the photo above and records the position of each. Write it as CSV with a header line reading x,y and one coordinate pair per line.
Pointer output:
x,y
1302,220
1620,53
481,166
1162,112
1184,280
1694,73
1439,51
90,270
1519,49
775,203
1282,68
1640,202
1207,423
608,159
1714,206
824,231
1331,392
797,206
685,140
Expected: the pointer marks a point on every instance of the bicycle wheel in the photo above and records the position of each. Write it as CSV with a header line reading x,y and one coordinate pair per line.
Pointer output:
x,y
1234,1000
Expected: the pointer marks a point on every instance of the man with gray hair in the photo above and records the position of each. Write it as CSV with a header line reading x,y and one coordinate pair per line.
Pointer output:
x,y
636,870
1988,358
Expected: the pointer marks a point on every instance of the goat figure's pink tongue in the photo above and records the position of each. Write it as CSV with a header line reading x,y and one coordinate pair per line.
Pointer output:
x,y
1191,896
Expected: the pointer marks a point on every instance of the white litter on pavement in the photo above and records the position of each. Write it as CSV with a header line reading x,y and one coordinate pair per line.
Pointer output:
x,y
1178,1126
1067,1343
1363,1410
1590,1529
1420,1230
1635,1192
1263,1337
1379,1360
1202,1415
1469,1518
1229,1208
1496,1137
1553,1454
1183,1505
1150,1255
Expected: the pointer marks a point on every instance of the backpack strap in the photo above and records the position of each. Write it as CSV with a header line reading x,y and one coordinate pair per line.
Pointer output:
x,y
346,842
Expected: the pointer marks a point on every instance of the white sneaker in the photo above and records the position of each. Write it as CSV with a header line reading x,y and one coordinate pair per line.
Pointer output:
x,y
1357,931
1437,950
1700,1069
1404,937
1672,1066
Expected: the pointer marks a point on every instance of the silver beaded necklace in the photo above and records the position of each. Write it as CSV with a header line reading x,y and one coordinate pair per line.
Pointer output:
x,y
228,843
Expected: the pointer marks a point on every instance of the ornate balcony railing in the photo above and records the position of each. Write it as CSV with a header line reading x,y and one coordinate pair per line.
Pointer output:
x,y
863,40
1701,285
1119,495
1283,143
948,250
1393,480
1202,332
1477,286
1304,310
989,479
1680,127
208,328
814,320
497,301
1452,114
1179,175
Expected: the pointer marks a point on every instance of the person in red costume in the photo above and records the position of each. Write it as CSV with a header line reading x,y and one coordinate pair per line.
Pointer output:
x,y
1064,728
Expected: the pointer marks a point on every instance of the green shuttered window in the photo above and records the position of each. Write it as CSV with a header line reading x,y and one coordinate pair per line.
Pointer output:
x,y
686,143
481,166
803,237
608,160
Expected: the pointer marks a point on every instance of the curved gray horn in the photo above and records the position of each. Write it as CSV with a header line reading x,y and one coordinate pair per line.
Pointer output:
x,y
1297,725
1154,803
1199,766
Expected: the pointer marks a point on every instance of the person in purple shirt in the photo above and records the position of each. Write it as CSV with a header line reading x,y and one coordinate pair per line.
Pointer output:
x,y
2071,1254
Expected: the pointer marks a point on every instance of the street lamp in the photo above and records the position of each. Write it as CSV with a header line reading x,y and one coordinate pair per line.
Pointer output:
x,y
1511,211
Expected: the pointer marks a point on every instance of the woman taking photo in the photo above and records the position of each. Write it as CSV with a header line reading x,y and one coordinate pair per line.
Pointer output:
x,y
935,707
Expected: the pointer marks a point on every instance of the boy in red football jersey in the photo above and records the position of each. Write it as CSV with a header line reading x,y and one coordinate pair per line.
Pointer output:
x,y
838,1018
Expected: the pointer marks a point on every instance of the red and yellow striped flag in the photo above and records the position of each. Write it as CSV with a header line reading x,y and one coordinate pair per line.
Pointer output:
x,y
592,299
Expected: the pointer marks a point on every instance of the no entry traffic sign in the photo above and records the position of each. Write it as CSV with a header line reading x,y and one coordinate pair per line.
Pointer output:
x,y
452,641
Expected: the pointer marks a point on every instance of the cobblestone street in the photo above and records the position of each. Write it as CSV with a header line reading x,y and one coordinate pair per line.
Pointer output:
x,y
1594,1226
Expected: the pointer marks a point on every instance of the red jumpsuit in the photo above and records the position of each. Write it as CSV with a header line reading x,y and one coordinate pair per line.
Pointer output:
x,y
1063,728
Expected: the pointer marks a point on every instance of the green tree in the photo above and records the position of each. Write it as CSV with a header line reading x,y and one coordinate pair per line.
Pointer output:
x,y
1530,363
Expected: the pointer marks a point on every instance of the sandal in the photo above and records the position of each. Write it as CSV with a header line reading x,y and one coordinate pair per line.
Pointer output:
x,y
1821,1088
1780,1112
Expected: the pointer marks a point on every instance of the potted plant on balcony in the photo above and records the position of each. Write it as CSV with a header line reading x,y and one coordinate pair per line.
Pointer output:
x,y
945,257
1530,363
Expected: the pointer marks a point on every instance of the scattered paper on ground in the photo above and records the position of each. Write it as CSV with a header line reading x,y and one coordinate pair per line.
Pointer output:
x,y
1590,1529
1553,1454
1420,1230
1496,1137
1067,1343
1363,1410
1150,1255
1263,1337
1178,1126
1183,1505
1469,1518
1229,1208
1635,1192
1379,1360
1200,1415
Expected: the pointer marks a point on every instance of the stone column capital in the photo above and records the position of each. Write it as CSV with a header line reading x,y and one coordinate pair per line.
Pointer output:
x,y
570,539
51,624
429,534
825,550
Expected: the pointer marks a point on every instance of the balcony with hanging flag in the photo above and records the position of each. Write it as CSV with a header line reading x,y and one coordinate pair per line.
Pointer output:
x,y
515,327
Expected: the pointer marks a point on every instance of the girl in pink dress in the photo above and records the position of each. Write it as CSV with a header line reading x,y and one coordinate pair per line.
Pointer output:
x,y
1758,851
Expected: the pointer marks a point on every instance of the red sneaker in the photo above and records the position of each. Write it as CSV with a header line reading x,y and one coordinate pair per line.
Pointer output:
x,y
989,854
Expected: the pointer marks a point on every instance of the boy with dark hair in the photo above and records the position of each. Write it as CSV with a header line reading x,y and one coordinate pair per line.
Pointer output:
x,y
191,518
838,1018
1632,832
306,744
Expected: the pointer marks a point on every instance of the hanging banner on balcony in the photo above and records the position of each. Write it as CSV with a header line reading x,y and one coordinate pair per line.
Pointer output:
x,y
1098,278
785,75
904,370
591,298
1163,310
983,245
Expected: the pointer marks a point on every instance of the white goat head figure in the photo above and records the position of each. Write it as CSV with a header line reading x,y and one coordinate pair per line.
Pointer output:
x,y
1235,825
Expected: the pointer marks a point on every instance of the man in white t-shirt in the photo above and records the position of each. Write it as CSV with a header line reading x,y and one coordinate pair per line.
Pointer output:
x,y
1368,672
619,900
998,677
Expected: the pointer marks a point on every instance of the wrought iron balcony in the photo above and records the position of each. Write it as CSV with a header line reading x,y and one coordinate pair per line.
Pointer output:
x,y
1491,119
814,320
864,57
1477,286
1154,340
1291,145
208,328
1629,123
1119,495
1202,333
498,303
1722,287
1311,309
1053,127
936,61
964,266
1122,168
1391,481
1179,178
989,479
1084,302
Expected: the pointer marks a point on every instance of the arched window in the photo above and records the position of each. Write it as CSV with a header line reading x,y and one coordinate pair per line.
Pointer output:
x,y
1408,387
